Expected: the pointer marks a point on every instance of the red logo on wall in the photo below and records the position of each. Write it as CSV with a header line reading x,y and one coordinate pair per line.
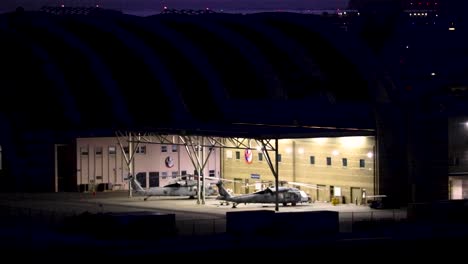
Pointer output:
x,y
169,162
248,155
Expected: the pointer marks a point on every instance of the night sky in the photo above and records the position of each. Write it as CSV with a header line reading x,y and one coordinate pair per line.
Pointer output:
x,y
156,5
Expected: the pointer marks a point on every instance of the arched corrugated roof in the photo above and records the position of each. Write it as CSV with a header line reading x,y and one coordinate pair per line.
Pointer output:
x,y
204,72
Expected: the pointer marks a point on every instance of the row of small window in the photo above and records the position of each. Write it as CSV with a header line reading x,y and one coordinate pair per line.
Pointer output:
x,y
111,150
344,161
175,174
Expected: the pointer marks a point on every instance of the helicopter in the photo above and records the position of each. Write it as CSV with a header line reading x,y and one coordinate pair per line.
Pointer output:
x,y
268,195
178,188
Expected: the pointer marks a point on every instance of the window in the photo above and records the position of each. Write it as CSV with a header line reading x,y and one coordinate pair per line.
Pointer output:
x,y
84,150
164,175
174,148
98,151
163,148
111,150
212,173
237,154
184,172
154,179
174,174
345,162
329,161
279,157
362,163
260,156
125,149
141,149
312,160
141,178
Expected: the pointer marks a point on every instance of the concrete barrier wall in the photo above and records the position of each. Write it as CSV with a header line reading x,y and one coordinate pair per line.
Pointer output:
x,y
441,211
249,222
132,225
266,222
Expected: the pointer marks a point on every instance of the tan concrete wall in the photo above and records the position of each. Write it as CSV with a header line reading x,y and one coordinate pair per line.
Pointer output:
x,y
295,164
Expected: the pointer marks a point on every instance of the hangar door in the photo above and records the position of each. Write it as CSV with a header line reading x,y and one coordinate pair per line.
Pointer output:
x,y
65,172
356,195
322,194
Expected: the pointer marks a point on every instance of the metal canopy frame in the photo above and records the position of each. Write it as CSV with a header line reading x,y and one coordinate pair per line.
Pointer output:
x,y
195,145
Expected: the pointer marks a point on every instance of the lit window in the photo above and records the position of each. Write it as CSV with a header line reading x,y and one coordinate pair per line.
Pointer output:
x,y
111,150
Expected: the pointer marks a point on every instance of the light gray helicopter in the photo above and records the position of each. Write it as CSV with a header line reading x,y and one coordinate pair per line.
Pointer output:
x,y
285,195
179,188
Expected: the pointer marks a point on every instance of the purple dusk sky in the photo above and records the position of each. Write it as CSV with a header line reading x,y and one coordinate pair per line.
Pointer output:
x,y
156,5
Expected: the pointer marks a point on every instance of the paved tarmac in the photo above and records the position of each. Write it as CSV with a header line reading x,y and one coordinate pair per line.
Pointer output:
x,y
183,207
191,217
195,219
